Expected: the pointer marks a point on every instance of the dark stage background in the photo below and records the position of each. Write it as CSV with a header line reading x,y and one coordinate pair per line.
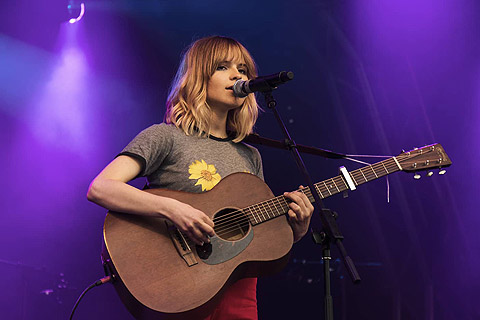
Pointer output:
x,y
371,77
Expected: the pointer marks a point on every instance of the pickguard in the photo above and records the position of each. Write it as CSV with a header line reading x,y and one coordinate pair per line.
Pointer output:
x,y
220,250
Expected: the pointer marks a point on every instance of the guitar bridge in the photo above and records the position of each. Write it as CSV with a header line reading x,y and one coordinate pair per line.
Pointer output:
x,y
181,244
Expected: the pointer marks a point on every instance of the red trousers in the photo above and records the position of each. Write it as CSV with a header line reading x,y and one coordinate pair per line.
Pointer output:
x,y
238,303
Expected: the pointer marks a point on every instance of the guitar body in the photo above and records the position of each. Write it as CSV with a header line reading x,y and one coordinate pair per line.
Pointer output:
x,y
155,281
158,274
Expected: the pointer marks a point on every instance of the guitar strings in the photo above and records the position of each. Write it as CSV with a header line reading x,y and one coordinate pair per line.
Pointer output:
x,y
322,190
268,206
233,224
391,166
240,218
241,214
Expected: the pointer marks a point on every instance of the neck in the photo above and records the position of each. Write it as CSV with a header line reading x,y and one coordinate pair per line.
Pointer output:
x,y
218,125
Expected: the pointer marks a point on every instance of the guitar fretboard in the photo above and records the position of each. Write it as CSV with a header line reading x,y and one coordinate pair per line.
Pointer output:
x,y
278,206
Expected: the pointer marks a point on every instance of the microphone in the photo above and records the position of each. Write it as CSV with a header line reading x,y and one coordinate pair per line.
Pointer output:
x,y
242,88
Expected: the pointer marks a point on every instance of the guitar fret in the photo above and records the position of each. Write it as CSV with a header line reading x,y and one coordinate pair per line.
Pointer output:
x,y
335,185
353,178
319,190
253,216
259,208
265,209
371,167
267,205
320,193
361,171
273,208
384,167
309,193
327,187
259,213
326,191
276,208
282,207
304,191
250,216
344,182
394,165
379,167
396,162
286,204
360,177
341,180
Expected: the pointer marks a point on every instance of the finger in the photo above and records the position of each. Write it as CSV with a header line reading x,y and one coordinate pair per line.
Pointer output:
x,y
195,232
208,221
295,207
308,203
200,237
207,230
294,196
297,199
304,197
204,238
202,231
297,195
195,238
300,215
292,216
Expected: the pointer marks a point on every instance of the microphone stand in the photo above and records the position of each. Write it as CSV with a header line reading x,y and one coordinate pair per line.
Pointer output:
x,y
330,231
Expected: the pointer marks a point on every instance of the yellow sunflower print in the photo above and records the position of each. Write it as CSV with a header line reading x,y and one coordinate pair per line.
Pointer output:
x,y
205,173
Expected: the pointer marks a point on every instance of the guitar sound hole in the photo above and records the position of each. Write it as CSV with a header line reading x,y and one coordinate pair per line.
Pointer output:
x,y
231,224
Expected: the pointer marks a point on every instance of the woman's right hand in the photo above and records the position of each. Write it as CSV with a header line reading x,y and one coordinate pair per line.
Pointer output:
x,y
192,222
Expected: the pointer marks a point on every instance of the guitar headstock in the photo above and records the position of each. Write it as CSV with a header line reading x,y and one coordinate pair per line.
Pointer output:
x,y
428,157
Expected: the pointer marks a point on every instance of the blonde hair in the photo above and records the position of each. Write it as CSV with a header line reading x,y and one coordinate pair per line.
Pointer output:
x,y
187,106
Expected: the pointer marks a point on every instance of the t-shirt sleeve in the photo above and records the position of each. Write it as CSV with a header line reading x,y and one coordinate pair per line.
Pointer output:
x,y
150,147
257,161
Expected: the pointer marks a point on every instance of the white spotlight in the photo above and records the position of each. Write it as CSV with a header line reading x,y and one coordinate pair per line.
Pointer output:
x,y
80,15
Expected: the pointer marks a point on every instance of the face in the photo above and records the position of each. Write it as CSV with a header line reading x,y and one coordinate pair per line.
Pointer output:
x,y
219,87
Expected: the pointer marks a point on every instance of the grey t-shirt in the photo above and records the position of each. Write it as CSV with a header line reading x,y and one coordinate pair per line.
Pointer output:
x,y
171,159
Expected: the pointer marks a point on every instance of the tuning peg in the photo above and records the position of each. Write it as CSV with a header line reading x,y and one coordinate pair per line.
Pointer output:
x,y
430,173
442,171
417,176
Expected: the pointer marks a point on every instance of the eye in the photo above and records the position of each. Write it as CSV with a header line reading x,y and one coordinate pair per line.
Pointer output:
x,y
221,67
243,71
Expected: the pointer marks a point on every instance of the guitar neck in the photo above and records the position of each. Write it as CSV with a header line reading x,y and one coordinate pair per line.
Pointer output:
x,y
278,206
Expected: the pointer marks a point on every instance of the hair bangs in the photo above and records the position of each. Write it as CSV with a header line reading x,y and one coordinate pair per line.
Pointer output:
x,y
227,49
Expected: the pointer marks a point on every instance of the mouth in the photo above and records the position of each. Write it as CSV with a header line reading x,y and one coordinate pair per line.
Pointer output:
x,y
229,88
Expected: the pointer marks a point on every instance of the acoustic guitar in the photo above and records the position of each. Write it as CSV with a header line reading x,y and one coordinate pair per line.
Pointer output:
x,y
160,273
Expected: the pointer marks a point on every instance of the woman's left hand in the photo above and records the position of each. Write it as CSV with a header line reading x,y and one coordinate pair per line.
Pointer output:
x,y
299,214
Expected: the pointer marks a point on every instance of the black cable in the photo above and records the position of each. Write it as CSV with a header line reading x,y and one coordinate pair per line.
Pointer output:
x,y
95,284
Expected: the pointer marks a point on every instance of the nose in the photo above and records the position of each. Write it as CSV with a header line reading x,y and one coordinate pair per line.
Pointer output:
x,y
236,75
